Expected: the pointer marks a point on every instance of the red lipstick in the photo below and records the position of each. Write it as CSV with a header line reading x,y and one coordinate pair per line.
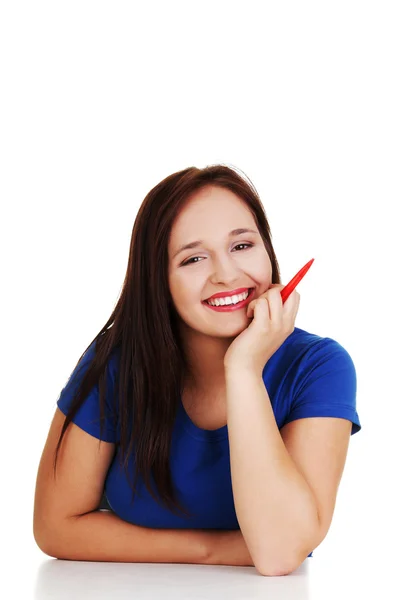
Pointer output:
x,y
225,294
231,307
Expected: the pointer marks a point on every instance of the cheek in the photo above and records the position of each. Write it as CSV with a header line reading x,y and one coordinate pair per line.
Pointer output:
x,y
183,292
263,269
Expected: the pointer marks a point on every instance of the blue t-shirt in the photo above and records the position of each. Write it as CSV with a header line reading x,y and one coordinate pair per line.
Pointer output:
x,y
308,376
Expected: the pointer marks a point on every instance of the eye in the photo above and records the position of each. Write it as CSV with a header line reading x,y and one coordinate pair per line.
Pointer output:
x,y
189,262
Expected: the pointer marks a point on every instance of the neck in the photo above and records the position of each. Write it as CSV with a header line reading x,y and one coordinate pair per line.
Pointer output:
x,y
205,356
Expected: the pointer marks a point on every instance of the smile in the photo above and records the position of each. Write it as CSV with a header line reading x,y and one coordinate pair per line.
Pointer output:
x,y
231,307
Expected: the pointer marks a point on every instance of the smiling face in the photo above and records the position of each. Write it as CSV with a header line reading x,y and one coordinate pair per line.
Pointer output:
x,y
220,263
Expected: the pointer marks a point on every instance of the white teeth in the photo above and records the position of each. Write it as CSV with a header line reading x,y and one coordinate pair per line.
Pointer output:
x,y
229,300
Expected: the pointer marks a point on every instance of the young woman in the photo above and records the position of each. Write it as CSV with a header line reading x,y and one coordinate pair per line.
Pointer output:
x,y
214,436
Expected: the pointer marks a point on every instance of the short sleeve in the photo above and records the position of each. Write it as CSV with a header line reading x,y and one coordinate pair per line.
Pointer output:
x,y
88,415
326,385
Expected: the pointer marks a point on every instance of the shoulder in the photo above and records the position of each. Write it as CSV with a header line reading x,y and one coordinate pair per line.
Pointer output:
x,y
312,348
307,357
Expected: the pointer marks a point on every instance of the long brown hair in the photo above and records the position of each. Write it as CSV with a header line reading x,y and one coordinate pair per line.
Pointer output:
x,y
144,326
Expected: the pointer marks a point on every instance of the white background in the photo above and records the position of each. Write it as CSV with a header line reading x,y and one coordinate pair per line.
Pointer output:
x,y
102,100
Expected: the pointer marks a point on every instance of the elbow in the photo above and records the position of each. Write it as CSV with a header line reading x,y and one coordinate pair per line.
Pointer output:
x,y
44,547
275,571
43,541
289,561
283,567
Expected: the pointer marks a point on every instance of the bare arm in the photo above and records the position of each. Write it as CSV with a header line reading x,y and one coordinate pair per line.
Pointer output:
x,y
275,506
103,536
228,548
68,525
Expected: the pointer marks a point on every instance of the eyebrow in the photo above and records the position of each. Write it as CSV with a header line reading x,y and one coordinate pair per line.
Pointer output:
x,y
199,242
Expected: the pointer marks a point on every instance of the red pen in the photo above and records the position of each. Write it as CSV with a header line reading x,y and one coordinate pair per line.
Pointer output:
x,y
288,289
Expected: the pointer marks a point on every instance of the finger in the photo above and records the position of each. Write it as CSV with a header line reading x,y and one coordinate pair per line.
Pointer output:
x,y
250,308
276,286
275,304
291,306
254,303
291,301
262,309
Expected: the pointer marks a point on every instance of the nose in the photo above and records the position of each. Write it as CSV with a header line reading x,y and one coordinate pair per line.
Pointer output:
x,y
226,271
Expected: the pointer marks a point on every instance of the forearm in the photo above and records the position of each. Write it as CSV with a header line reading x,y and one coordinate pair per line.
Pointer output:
x,y
229,548
103,536
274,505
